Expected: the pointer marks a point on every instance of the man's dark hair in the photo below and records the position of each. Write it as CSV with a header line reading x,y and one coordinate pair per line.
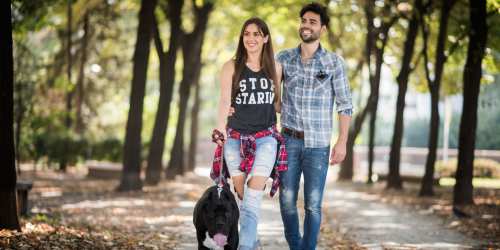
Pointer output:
x,y
318,9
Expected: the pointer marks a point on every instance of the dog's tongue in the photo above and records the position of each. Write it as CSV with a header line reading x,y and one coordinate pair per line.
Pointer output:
x,y
220,239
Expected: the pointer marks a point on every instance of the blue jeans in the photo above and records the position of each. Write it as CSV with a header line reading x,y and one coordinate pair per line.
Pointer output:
x,y
313,164
265,157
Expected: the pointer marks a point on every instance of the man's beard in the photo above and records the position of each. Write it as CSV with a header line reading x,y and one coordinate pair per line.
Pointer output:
x,y
309,38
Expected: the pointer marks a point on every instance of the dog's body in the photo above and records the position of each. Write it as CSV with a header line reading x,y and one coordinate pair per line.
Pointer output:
x,y
216,215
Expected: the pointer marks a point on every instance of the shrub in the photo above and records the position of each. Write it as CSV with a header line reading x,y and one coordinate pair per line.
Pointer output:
x,y
109,149
484,168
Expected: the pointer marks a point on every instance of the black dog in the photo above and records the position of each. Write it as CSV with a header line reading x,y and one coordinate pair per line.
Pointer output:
x,y
216,215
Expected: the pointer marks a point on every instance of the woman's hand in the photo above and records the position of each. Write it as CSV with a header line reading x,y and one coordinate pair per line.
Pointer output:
x,y
277,107
219,136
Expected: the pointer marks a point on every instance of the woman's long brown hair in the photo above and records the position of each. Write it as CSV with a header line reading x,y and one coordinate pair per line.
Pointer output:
x,y
266,57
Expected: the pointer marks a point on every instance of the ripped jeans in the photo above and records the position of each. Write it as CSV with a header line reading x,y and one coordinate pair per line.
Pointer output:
x,y
265,157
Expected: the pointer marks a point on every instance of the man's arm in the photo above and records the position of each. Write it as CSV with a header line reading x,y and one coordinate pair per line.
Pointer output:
x,y
344,105
340,148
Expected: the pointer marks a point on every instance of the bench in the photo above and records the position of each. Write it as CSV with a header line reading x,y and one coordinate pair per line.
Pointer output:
x,y
23,187
103,170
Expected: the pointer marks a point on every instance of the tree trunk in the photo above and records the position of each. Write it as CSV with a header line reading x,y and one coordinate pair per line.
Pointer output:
x,y
18,126
192,65
79,126
176,164
131,179
346,172
463,190
63,162
427,181
8,206
434,88
371,135
194,127
69,94
394,180
167,80
375,83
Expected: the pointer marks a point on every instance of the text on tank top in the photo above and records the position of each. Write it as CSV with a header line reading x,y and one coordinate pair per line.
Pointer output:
x,y
253,104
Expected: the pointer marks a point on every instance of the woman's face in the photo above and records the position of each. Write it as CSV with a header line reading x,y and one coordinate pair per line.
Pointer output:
x,y
253,39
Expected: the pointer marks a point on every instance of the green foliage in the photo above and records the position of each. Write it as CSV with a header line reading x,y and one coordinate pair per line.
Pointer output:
x,y
60,147
32,15
109,149
483,168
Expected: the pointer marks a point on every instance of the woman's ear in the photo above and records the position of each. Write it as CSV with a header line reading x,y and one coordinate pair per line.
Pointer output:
x,y
266,38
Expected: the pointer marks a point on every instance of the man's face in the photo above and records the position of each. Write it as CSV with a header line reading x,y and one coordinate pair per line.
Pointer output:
x,y
310,27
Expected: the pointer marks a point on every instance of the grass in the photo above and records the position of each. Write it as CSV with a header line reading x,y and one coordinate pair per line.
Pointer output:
x,y
476,182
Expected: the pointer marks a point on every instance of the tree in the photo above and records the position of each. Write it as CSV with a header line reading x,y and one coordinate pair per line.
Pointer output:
x,y
69,58
80,88
70,92
167,77
394,178
478,34
191,51
193,138
434,85
376,41
130,179
8,178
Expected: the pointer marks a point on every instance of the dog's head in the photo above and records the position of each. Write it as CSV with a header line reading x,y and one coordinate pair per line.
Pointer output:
x,y
221,211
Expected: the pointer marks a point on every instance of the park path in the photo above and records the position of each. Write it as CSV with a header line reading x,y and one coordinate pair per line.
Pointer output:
x,y
377,225
161,216
359,216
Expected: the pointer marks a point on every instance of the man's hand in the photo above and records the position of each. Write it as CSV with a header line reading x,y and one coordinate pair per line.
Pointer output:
x,y
338,153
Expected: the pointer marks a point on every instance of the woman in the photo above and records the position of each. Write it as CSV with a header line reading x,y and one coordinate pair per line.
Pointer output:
x,y
250,85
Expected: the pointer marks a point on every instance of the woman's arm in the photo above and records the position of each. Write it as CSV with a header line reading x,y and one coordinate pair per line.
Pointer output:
x,y
225,96
277,87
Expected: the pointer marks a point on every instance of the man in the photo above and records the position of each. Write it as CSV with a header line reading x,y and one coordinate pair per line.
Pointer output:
x,y
313,80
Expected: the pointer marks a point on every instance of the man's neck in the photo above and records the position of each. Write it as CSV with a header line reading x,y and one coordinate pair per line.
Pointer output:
x,y
307,49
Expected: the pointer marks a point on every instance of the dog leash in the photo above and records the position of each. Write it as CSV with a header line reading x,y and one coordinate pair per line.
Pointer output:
x,y
220,185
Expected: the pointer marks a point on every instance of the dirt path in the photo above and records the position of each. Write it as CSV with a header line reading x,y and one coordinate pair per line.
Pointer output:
x,y
161,217
377,225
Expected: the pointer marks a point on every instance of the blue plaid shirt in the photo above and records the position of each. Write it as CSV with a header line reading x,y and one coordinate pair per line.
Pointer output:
x,y
309,92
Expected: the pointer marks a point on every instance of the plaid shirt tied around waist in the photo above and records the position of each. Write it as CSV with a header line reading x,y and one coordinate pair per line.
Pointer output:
x,y
310,90
247,153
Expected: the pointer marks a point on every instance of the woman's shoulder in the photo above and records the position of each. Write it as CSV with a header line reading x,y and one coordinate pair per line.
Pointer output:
x,y
228,65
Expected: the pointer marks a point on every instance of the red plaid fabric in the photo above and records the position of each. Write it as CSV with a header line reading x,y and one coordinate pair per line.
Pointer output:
x,y
247,152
